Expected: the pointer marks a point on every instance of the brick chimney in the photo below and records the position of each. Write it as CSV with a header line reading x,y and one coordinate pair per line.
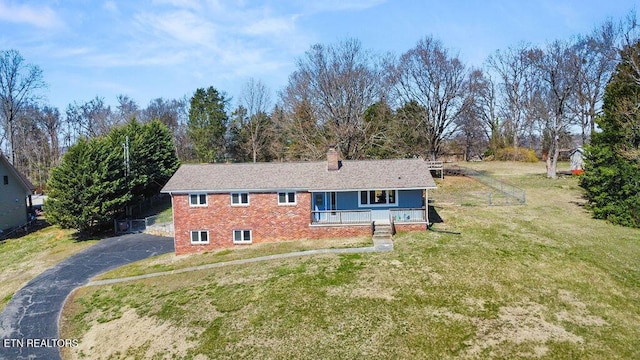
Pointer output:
x,y
333,163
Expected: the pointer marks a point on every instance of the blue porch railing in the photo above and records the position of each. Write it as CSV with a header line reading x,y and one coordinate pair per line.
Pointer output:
x,y
407,215
339,217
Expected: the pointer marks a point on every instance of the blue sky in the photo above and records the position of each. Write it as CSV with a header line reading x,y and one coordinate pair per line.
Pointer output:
x,y
169,48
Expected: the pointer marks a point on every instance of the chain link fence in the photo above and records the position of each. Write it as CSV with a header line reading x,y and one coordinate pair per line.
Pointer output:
x,y
488,192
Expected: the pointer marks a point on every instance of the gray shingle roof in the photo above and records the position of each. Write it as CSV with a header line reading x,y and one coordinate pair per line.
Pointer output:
x,y
23,179
312,176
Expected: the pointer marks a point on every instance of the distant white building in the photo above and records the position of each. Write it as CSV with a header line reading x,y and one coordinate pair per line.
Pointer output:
x,y
576,157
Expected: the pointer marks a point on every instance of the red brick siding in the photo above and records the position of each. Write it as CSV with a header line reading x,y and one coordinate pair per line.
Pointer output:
x,y
319,232
410,226
268,221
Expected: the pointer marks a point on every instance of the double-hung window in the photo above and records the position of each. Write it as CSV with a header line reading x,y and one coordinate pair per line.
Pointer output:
x,y
378,198
199,237
242,236
197,199
287,198
239,199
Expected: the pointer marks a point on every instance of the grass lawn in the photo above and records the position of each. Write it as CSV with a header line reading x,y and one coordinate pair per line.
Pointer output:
x,y
543,280
23,258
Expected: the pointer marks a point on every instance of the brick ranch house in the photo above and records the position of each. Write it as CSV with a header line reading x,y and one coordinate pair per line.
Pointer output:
x,y
221,205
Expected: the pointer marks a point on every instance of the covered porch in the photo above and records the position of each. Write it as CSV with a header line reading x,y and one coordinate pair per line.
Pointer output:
x,y
368,206
359,217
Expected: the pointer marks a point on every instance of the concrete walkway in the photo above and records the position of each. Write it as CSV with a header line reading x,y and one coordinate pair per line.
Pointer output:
x,y
379,246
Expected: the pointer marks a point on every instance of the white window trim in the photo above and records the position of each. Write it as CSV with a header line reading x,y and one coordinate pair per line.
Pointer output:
x,y
394,204
240,199
243,241
287,203
199,242
206,200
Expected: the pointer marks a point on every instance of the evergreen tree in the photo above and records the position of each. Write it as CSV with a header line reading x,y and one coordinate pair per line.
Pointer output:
x,y
612,164
208,124
85,189
92,185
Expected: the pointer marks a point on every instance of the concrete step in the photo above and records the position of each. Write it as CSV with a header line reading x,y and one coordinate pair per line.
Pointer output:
x,y
383,230
382,244
382,236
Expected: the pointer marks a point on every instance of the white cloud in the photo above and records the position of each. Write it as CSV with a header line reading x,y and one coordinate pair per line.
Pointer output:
x,y
182,4
182,26
271,26
110,6
342,5
39,16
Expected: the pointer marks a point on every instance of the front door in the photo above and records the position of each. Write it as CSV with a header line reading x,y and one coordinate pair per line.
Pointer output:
x,y
322,203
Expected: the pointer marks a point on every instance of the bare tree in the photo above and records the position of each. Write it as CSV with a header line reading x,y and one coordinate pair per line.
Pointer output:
x,y
90,119
127,109
436,81
18,84
486,101
478,125
559,67
337,83
35,156
48,119
598,55
514,71
630,36
174,114
256,100
170,112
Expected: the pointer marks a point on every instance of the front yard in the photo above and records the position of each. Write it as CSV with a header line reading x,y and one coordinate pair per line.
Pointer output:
x,y
542,280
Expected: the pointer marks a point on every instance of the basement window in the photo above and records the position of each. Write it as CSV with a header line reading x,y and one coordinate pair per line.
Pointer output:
x,y
242,236
199,237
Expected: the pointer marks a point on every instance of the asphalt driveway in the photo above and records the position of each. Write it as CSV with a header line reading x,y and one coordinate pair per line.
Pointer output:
x,y
31,317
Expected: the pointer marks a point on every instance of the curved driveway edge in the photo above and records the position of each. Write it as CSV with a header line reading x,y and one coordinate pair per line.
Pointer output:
x,y
34,310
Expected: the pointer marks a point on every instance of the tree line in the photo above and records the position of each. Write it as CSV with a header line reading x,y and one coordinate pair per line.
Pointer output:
x,y
424,102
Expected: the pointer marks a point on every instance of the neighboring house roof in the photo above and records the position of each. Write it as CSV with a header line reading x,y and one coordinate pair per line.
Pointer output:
x,y
308,176
576,150
23,179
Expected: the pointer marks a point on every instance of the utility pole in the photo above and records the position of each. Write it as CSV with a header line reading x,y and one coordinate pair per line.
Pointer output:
x,y
125,151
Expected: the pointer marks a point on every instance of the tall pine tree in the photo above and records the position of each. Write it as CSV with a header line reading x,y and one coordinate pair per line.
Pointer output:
x,y
207,125
612,164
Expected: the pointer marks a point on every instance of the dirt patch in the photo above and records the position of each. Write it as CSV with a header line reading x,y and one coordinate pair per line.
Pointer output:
x,y
518,324
579,314
143,336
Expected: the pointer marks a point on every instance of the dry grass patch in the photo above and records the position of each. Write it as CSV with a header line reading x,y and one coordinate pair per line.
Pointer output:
x,y
143,340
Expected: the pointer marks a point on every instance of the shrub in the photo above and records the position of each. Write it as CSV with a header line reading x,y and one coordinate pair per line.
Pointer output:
x,y
522,154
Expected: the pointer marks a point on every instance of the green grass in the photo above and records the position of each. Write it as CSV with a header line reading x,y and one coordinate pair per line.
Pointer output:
x,y
542,280
23,258
170,262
